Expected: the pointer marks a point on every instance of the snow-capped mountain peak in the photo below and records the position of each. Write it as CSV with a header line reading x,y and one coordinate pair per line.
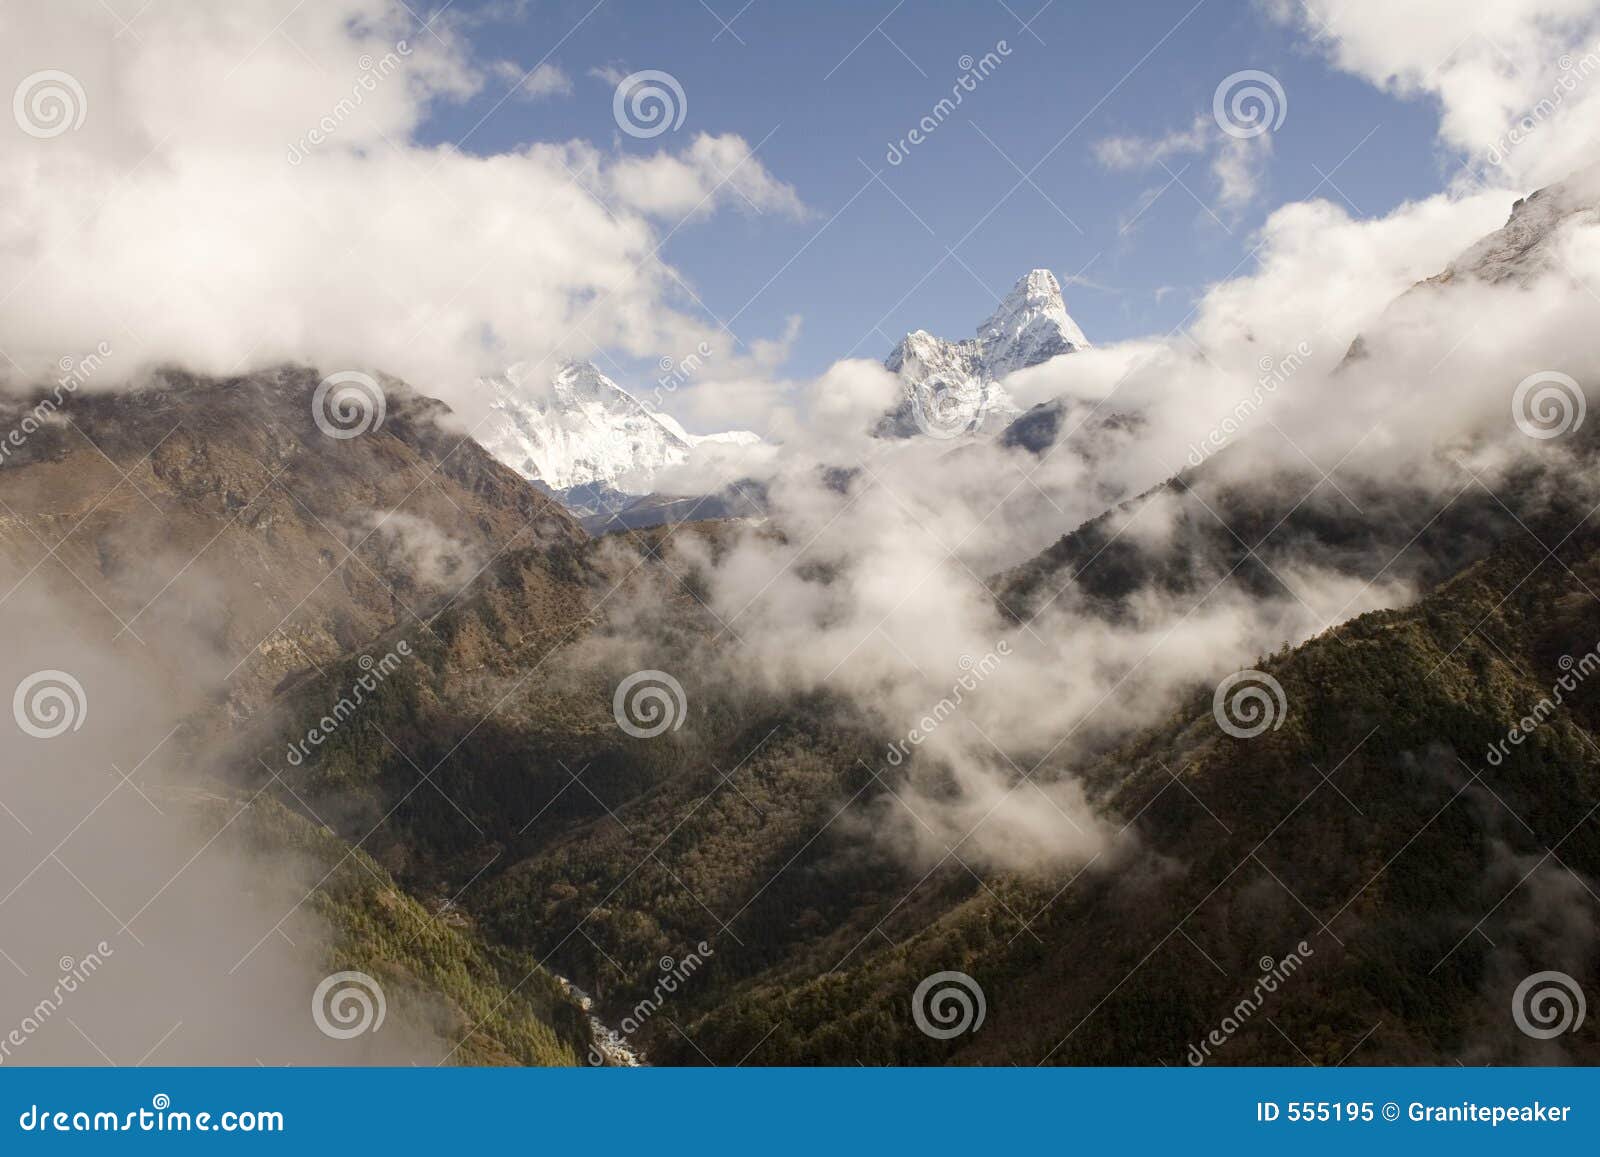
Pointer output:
x,y
1031,325
578,381
578,427
953,387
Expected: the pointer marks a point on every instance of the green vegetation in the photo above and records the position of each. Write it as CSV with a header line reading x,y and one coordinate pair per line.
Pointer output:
x,y
1423,880
498,1003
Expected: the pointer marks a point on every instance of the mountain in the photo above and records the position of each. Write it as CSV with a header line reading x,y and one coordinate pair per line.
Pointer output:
x,y
603,854
579,428
953,387
597,449
195,553
1214,518
1415,885
1416,879
220,506
745,498
490,780
1527,245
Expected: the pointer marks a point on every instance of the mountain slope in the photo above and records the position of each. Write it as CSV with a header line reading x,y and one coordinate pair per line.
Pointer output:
x,y
1224,517
747,830
190,552
610,852
492,1007
1422,880
215,520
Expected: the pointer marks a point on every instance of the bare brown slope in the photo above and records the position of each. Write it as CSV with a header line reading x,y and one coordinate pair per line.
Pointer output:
x,y
216,512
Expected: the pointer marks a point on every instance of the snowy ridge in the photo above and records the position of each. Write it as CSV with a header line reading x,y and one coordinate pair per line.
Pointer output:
x,y
1030,326
953,387
1521,250
580,427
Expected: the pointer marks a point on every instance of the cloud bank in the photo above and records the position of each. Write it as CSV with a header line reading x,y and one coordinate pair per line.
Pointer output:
x,y
182,216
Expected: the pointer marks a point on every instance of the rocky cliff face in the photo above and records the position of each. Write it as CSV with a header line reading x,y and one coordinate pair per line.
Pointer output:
x,y
1522,249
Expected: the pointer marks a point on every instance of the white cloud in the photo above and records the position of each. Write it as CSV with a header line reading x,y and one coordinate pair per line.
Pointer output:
x,y
612,74
243,192
712,171
544,79
1516,80
906,541
1237,164
1133,152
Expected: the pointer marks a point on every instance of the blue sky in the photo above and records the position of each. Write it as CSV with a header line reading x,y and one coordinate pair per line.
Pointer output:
x,y
825,87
